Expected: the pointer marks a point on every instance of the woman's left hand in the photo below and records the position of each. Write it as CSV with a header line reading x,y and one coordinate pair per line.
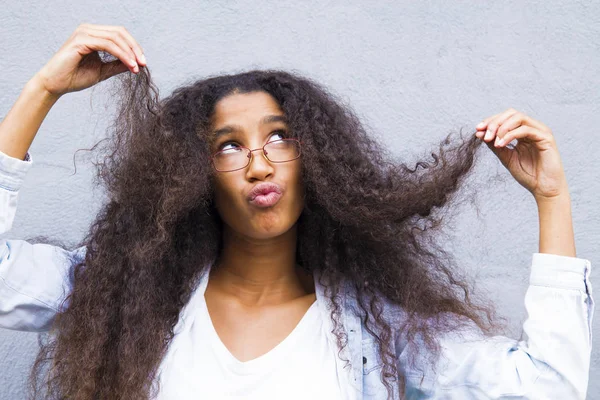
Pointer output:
x,y
534,161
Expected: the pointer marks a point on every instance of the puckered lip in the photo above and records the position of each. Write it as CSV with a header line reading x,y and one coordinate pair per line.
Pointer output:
x,y
264,188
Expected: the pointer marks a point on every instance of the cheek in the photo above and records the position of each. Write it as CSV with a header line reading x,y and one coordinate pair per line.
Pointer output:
x,y
225,200
296,186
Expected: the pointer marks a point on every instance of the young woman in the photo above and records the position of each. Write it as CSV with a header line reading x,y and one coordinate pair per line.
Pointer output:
x,y
257,244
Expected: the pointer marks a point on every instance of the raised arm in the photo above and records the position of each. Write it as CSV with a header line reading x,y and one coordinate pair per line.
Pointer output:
x,y
21,124
554,361
36,278
74,67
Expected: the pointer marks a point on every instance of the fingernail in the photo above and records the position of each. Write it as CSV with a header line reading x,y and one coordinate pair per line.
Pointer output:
x,y
500,141
488,135
143,58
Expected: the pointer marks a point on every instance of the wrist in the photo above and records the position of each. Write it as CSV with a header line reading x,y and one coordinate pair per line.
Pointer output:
x,y
562,199
556,225
560,195
36,85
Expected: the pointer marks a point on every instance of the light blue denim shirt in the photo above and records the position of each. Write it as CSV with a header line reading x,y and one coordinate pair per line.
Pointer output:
x,y
553,363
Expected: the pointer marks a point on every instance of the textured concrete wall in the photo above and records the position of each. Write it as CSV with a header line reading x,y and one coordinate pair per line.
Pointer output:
x,y
413,71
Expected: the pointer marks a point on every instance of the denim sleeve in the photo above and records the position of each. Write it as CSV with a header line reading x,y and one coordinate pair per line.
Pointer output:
x,y
552,363
34,278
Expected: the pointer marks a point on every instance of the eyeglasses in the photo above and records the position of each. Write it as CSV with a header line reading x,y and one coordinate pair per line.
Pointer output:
x,y
277,151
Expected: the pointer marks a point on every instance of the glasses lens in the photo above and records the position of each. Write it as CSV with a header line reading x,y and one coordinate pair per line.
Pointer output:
x,y
282,150
276,151
231,159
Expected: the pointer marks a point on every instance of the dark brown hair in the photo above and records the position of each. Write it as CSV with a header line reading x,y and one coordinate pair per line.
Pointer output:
x,y
367,219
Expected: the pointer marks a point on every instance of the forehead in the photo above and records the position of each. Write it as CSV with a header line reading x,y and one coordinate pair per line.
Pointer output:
x,y
240,105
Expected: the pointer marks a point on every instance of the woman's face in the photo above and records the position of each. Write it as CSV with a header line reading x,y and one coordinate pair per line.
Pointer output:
x,y
241,118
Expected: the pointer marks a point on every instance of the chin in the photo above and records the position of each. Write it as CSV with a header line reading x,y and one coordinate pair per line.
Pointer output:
x,y
270,224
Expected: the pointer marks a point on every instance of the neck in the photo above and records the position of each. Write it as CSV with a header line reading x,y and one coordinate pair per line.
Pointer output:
x,y
259,272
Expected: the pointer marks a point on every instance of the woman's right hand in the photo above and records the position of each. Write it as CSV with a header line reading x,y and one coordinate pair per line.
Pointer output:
x,y
77,64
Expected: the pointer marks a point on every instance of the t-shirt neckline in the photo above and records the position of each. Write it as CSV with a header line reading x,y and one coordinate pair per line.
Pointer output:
x,y
270,358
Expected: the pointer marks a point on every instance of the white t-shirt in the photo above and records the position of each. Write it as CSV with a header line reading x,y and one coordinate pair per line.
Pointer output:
x,y
198,365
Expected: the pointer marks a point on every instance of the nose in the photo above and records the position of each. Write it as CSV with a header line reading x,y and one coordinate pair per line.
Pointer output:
x,y
259,164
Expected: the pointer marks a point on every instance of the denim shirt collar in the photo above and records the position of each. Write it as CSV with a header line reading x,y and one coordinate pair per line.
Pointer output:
x,y
359,342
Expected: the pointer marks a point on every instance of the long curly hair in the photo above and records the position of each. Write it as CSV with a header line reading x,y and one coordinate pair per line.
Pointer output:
x,y
367,220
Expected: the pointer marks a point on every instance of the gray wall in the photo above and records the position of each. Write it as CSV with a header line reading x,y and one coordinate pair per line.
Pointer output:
x,y
413,71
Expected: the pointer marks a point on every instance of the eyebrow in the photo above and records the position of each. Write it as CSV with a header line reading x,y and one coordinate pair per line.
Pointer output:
x,y
231,128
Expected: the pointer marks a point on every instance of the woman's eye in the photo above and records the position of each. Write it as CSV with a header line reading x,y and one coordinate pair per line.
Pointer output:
x,y
225,144
279,132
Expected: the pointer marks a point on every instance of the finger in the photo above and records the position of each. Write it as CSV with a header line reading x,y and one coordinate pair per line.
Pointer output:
x,y
512,122
100,44
535,123
119,41
524,132
126,36
496,122
483,124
